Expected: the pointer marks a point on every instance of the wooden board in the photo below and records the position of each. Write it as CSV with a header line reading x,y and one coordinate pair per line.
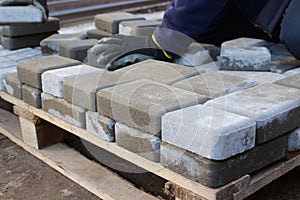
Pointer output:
x,y
73,165
238,189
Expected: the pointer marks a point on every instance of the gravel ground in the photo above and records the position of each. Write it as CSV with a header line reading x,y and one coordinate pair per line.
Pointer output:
x,y
25,177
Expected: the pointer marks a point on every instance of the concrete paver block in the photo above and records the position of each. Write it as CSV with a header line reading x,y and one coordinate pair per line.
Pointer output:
x,y
63,110
138,27
32,96
4,72
218,173
12,85
245,54
109,22
13,43
214,84
274,108
293,143
209,67
157,71
20,14
141,104
209,132
100,126
24,55
291,81
50,26
143,144
281,66
76,50
258,77
97,34
50,45
292,72
30,71
52,80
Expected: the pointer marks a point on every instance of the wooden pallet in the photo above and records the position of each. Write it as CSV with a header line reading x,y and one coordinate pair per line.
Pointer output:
x,y
33,134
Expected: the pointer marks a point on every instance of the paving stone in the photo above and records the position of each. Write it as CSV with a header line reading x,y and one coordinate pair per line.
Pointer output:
x,y
20,14
218,173
24,41
8,64
52,80
275,108
50,26
29,72
245,54
109,22
24,55
292,72
6,52
76,50
278,51
291,81
81,91
12,85
63,110
138,27
4,72
32,96
50,45
97,34
258,77
214,84
157,71
143,144
281,66
209,67
141,104
293,143
209,132
100,126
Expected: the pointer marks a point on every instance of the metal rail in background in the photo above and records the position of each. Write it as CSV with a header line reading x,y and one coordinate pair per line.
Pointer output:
x,y
88,12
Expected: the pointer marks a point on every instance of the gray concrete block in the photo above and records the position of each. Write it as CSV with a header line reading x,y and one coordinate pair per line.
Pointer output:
x,y
24,41
143,144
12,85
97,34
292,72
63,110
32,96
29,72
214,84
138,27
281,66
82,91
245,54
50,26
258,77
209,132
218,173
291,81
109,22
76,50
157,71
275,108
141,104
50,45
20,14
24,55
52,80
293,140
4,72
100,126
209,67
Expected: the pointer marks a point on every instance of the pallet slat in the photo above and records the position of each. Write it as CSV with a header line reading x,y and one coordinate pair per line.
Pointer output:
x,y
75,166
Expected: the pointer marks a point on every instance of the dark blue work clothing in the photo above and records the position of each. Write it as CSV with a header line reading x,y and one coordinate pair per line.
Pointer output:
x,y
216,21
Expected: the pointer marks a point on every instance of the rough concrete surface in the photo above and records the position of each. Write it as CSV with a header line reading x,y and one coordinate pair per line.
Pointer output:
x,y
32,96
20,14
275,108
97,34
12,85
4,72
141,104
294,140
208,132
138,27
291,81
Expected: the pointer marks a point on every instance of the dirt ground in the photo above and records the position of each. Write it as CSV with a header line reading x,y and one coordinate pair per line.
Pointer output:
x,y
22,176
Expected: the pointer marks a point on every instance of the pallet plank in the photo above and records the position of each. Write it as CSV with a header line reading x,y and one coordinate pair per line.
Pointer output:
x,y
73,165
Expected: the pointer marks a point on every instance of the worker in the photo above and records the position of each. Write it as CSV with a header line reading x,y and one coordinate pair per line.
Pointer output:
x,y
206,21
41,4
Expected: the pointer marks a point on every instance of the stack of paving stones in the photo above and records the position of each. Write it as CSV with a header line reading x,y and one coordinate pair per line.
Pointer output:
x,y
197,121
28,35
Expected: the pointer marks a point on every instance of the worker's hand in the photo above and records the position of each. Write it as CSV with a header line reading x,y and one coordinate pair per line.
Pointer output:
x,y
119,51
35,3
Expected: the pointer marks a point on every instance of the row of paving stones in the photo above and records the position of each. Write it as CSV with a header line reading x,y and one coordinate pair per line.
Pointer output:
x,y
196,121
